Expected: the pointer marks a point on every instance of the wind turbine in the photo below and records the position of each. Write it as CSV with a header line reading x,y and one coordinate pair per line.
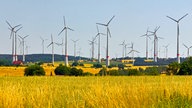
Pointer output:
x,y
155,43
52,43
188,48
147,38
23,45
99,44
133,51
92,42
43,44
66,51
14,39
75,42
177,21
166,51
107,47
123,50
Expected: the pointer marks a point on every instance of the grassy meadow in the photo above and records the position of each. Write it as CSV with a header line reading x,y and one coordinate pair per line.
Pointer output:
x,y
96,92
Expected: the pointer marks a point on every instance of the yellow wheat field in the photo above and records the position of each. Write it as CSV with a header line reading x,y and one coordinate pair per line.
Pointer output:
x,y
96,92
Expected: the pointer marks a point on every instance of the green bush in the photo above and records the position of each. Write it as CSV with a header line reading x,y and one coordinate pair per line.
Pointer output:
x,y
186,67
152,71
34,70
121,66
133,72
76,72
103,72
173,68
75,63
97,65
113,72
62,70
87,74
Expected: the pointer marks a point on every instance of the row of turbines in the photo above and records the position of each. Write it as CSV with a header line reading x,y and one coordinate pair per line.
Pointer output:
x,y
15,29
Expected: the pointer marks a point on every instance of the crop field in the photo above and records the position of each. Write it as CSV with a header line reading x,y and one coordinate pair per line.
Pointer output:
x,y
96,92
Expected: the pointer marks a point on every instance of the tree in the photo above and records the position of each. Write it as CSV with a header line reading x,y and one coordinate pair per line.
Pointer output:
x,y
152,71
34,70
186,67
173,68
76,72
62,70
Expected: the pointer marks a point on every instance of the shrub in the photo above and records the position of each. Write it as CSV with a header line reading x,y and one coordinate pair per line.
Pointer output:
x,y
151,71
113,72
87,74
62,70
133,72
34,70
186,67
98,65
121,66
103,72
173,68
76,72
75,63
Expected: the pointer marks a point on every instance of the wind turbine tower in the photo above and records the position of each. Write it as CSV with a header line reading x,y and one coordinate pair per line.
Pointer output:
x,y
66,45
147,38
188,48
92,42
14,40
23,45
155,43
99,44
75,43
107,46
177,21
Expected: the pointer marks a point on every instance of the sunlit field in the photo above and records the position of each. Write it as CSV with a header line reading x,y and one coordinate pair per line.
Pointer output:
x,y
96,92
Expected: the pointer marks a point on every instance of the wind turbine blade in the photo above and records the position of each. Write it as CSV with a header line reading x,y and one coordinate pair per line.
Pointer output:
x,y
18,29
130,52
50,44
157,28
51,38
102,33
9,24
110,20
97,28
182,17
101,24
70,29
25,36
61,31
109,31
17,26
185,46
20,37
64,21
172,18
190,47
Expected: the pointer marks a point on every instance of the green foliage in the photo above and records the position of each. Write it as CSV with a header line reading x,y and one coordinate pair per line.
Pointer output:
x,y
34,70
133,72
76,72
97,65
121,66
4,62
186,67
152,71
173,68
62,70
87,74
103,72
75,63
113,72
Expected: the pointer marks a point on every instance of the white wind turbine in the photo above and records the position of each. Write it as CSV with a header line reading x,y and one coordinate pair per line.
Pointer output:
x,y
66,51
107,46
147,38
43,44
14,40
75,43
52,43
99,44
188,48
92,43
132,52
123,50
177,21
23,45
166,51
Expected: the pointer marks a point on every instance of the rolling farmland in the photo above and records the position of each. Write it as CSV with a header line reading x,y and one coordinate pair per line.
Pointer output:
x,y
94,92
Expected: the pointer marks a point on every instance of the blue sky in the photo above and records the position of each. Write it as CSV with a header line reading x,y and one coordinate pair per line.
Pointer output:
x,y
132,18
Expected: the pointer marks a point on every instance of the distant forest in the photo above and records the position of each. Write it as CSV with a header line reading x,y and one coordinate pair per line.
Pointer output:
x,y
139,61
